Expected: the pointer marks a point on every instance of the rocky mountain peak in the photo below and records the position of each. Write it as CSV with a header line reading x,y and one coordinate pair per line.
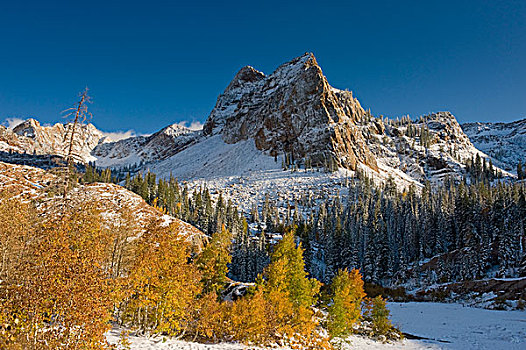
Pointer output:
x,y
175,130
447,126
246,75
31,137
27,128
294,110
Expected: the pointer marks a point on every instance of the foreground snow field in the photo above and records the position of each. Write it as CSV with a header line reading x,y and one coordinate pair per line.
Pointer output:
x,y
453,326
446,326
355,342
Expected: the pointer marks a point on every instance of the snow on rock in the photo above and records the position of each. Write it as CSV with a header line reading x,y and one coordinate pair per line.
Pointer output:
x,y
33,138
154,148
294,110
402,152
504,142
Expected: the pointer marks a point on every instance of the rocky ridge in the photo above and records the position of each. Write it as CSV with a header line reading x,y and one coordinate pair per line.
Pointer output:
x,y
433,147
145,149
33,138
504,142
290,116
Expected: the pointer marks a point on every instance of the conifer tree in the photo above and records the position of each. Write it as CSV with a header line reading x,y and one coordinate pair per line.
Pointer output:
x,y
213,261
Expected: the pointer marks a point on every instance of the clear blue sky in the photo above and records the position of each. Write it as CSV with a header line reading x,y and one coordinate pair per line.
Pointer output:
x,y
152,63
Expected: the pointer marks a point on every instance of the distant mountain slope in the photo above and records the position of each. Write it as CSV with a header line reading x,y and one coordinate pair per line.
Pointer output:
x,y
33,138
157,147
504,142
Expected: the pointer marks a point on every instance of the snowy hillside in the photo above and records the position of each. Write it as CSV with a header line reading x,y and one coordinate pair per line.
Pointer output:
x,y
36,184
433,147
504,142
143,149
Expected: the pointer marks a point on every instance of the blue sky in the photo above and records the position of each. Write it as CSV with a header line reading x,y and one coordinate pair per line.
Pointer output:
x,y
153,63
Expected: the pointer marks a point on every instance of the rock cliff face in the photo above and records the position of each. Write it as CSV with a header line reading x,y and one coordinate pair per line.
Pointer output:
x,y
31,137
294,110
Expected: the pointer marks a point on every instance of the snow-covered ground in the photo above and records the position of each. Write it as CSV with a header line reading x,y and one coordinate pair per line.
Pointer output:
x,y
246,175
161,343
453,326
446,326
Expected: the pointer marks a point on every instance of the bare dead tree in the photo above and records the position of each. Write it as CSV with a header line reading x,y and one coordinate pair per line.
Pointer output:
x,y
81,114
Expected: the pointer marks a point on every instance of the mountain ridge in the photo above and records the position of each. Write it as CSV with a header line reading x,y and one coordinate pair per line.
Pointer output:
x,y
290,119
505,142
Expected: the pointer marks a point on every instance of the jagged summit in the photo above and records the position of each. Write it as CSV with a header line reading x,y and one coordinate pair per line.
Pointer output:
x,y
294,110
31,137
262,122
247,74
27,127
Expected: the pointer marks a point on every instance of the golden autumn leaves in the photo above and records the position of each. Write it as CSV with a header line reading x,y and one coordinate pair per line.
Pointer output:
x,y
67,276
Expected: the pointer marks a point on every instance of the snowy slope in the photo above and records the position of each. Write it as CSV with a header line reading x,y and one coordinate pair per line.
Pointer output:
x,y
143,149
504,142
246,175
161,343
31,183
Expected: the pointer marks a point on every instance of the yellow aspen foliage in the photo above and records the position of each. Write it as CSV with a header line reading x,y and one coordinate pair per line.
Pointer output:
x,y
207,318
345,310
249,319
17,224
60,296
162,283
290,294
377,313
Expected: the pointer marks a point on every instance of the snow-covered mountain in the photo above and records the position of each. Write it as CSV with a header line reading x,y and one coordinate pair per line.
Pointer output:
x,y
291,119
433,147
294,110
31,137
146,149
504,142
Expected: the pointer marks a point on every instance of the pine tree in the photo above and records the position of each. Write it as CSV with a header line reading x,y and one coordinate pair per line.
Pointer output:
x,y
213,261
